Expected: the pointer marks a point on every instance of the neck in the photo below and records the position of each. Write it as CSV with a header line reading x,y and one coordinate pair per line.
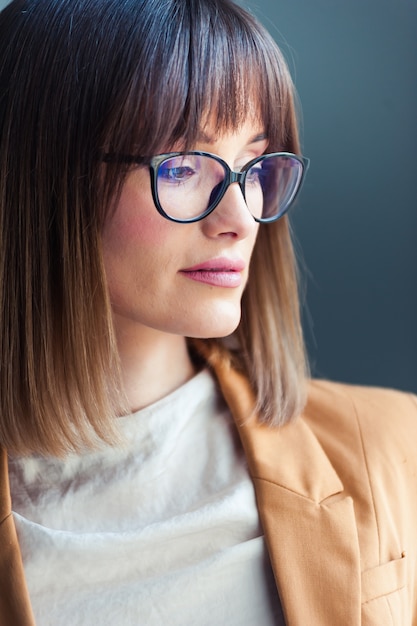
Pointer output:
x,y
153,364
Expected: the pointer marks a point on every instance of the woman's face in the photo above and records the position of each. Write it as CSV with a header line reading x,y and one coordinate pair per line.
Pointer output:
x,y
183,279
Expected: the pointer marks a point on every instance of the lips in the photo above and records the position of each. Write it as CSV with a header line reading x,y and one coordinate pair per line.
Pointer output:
x,y
221,264
218,272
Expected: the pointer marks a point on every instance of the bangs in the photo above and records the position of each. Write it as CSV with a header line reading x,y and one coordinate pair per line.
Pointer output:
x,y
201,60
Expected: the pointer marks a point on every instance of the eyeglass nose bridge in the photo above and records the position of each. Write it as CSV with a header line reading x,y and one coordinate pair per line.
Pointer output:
x,y
232,177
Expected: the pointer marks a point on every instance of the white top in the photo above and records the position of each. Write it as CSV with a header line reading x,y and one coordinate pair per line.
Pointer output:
x,y
162,530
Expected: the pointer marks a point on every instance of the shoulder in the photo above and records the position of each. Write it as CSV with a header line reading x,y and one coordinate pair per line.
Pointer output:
x,y
371,428
360,399
376,412
342,403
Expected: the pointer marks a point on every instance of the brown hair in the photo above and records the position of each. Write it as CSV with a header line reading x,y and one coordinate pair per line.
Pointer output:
x,y
78,77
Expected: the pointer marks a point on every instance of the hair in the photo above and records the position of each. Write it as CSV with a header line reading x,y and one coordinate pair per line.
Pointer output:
x,y
79,77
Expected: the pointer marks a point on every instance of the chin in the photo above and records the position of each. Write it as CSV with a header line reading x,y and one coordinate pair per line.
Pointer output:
x,y
215,326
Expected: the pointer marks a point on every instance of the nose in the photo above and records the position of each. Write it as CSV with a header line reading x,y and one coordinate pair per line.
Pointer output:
x,y
231,216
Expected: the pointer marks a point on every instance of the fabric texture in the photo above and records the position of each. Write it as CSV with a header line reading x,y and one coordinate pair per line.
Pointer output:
x,y
336,493
158,530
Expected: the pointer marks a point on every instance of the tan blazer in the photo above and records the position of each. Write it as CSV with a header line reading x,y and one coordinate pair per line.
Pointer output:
x,y
337,497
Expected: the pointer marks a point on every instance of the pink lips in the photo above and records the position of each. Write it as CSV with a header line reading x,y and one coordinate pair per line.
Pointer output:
x,y
219,272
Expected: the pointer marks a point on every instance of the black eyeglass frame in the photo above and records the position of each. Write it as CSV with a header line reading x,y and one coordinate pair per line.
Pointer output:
x,y
231,177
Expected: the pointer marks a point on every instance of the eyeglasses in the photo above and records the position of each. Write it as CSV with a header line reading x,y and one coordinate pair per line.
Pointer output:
x,y
188,186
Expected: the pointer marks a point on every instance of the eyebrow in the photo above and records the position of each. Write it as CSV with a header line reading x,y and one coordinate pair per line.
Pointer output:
x,y
202,136
260,137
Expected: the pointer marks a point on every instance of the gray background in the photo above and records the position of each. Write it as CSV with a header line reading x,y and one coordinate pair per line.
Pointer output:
x,y
354,65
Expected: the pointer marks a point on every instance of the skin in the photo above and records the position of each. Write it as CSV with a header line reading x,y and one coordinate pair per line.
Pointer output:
x,y
156,305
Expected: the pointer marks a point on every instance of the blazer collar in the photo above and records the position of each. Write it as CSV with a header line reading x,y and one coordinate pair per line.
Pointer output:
x,y
309,523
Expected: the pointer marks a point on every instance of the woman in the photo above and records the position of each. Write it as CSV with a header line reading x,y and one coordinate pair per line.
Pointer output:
x,y
157,426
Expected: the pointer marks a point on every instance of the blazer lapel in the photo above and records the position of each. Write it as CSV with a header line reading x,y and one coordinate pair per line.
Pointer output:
x,y
14,598
309,524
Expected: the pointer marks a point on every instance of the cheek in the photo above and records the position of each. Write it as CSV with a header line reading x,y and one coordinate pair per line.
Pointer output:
x,y
136,222
253,239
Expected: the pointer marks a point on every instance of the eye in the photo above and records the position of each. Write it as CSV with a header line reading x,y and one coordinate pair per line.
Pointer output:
x,y
175,174
255,175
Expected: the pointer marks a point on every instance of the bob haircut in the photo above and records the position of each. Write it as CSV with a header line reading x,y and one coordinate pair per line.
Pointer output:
x,y
83,77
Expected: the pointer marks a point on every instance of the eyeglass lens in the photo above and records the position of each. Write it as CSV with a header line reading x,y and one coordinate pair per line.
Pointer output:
x,y
189,185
